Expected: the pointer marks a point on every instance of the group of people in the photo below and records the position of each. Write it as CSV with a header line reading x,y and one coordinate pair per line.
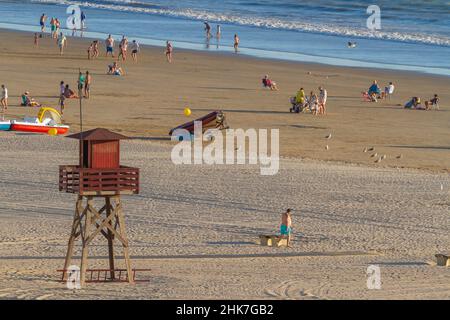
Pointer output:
x,y
315,103
65,92
375,93
219,34
416,103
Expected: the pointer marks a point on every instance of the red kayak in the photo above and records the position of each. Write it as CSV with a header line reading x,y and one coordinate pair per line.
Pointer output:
x,y
37,127
208,121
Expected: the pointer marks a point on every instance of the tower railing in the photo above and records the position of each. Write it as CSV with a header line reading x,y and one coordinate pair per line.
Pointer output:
x,y
88,181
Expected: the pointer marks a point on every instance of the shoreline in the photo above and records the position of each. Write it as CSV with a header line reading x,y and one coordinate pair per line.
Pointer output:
x,y
166,88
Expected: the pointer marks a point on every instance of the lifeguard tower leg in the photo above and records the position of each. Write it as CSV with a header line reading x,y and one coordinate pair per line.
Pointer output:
x,y
85,243
110,237
74,233
123,233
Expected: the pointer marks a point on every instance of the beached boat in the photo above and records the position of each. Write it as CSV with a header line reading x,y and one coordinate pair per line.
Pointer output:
x,y
47,121
215,119
5,125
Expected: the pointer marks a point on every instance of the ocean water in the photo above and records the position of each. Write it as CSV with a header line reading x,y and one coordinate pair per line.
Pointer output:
x,y
414,35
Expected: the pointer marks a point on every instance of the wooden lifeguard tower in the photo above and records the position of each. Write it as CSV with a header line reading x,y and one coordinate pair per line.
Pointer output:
x,y
99,175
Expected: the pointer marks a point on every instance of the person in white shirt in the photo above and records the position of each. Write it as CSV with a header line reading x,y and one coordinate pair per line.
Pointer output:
x,y
4,99
389,90
134,50
62,42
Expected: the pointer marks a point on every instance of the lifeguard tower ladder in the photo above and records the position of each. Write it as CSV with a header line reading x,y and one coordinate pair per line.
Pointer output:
x,y
99,175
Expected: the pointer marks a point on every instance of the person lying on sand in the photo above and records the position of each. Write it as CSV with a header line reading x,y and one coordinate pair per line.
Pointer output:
x,y
28,101
414,103
434,102
114,69
286,226
69,93
267,83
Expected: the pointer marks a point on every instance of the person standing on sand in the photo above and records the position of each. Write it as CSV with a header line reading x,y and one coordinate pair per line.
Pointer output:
x,y
286,226
62,43
169,51
95,51
109,46
42,22
4,98
218,32
123,47
134,50
87,85
236,43
323,95
207,29
36,40
90,50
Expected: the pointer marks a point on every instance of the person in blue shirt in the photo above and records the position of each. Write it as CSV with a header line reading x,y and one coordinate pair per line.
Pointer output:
x,y
374,91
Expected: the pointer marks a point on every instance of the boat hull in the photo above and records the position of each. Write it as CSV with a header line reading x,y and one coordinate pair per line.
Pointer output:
x,y
207,121
5,125
36,128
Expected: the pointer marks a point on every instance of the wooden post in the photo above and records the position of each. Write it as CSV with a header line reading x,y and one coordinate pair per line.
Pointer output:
x,y
124,240
74,233
110,237
84,242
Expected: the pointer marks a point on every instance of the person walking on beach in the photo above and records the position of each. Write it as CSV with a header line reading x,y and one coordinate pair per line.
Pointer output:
x,y
169,51
134,50
323,95
286,226
62,43
42,22
87,85
4,98
53,27
109,46
236,43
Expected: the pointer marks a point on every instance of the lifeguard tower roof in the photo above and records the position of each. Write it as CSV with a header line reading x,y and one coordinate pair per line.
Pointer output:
x,y
98,134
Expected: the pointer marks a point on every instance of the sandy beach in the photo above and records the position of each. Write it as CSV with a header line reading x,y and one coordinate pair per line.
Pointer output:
x,y
149,100
196,231
195,227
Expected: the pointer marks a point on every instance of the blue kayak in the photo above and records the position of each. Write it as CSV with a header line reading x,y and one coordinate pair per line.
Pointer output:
x,y
5,125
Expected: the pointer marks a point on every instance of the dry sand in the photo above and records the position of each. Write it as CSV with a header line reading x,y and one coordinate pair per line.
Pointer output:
x,y
195,226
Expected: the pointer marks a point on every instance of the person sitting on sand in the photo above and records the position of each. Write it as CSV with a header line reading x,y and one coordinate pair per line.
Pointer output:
x,y
374,91
286,226
28,101
414,103
298,102
115,70
432,102
69,94
267,83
